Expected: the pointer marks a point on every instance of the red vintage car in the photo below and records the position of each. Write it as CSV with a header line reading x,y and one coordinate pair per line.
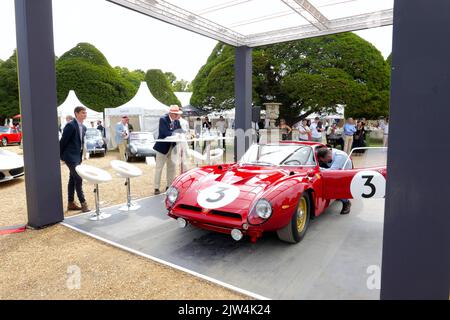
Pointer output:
x,y
9,135
273,188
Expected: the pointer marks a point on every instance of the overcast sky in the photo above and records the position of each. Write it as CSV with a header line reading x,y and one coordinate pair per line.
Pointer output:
x,y
132,40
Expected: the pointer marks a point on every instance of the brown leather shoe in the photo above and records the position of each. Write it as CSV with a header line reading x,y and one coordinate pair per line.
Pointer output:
x,y
84,207
72,206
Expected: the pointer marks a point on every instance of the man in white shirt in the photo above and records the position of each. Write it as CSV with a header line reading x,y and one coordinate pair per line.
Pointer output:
x,y
315,134
121,136
221,126
384,125
255,132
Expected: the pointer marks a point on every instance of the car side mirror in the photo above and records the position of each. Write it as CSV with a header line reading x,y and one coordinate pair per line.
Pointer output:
x,y
310,173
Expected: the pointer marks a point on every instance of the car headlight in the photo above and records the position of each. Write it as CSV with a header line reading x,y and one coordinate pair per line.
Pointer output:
x,y
100,142
263,209
172,195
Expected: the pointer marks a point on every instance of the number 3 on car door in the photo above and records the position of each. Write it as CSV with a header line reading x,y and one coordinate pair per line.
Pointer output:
x,y
354,183
368,184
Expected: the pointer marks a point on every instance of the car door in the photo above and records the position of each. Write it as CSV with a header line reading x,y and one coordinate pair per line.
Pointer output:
x,y
14,135
367,179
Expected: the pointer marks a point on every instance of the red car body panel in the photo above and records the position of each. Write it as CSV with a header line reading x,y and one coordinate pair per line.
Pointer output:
x,y
282,186
12,136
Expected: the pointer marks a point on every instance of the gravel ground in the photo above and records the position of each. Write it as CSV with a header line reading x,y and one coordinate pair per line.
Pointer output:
x,y
39,264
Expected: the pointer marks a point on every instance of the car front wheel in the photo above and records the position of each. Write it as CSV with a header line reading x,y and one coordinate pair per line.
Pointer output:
x,y
295,230
4,142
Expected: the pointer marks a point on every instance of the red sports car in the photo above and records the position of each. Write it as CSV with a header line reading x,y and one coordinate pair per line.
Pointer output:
x,y
9,135
272,188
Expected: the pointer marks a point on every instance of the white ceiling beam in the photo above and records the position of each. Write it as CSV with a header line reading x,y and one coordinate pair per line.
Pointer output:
x,y
354,23
179,17
305,9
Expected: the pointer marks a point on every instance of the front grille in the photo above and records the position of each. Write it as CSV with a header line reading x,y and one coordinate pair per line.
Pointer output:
x,y
226,214
191,208
15,172
2,176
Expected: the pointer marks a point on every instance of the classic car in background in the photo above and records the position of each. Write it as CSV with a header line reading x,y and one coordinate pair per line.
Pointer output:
x,y
95,144
140,145
9,135
273,188
11,165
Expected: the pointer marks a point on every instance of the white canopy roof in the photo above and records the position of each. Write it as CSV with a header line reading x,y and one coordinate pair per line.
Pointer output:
x,y
260,22
72,101
143,103
184,97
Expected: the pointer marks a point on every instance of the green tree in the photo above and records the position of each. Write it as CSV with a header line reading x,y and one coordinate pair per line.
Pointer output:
x,y
9,92
309,75
171,77
86,70
160,87
181,86
134,77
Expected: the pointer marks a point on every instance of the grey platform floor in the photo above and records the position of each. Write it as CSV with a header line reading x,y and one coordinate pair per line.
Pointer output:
x,y
330,263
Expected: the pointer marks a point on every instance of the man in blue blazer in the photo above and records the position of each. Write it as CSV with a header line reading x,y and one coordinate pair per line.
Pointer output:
x,y
168,123
71,152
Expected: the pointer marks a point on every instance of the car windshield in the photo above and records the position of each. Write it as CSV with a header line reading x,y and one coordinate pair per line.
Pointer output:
x,y
4,129
276,155
93,133
141,136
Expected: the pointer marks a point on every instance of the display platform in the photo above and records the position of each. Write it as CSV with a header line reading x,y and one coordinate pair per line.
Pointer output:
x,y
339,256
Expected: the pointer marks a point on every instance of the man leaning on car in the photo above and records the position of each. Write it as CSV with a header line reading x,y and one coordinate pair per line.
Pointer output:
x,y
335,160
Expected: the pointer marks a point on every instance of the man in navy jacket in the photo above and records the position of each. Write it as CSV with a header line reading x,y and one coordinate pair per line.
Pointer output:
x,y
71,152
167,125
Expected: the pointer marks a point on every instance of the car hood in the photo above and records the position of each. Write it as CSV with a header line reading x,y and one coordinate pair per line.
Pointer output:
x,y
9,160
253,183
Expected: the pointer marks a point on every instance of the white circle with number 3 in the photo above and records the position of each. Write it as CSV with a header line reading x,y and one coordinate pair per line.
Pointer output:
x,y
368,185
217,196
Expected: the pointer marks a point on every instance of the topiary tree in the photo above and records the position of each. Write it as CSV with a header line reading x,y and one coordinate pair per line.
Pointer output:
x,y
309,75
86,70
160,87
389,59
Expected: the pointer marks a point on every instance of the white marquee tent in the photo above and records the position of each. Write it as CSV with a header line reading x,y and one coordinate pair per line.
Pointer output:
x,y
67,107
143,110
184,97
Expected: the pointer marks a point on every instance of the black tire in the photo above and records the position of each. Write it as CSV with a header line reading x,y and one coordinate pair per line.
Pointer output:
x,y
127,157
4,142
292,232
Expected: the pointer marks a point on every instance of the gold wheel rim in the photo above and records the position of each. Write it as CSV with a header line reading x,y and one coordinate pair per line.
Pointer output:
x,y
301,214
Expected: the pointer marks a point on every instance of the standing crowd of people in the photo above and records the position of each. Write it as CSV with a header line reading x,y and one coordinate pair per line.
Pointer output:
x,y
353,134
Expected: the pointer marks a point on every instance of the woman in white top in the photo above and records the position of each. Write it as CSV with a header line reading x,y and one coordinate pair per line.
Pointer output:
x,y
304,131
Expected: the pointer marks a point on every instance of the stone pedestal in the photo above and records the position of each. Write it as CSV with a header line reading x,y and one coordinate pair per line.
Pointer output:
x,y
272,113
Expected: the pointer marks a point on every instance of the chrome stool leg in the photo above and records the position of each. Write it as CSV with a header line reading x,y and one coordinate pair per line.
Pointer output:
x,y
98,215
130,206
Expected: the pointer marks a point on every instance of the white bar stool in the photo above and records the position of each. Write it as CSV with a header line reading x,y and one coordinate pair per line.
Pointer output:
x,y
95,176
127,171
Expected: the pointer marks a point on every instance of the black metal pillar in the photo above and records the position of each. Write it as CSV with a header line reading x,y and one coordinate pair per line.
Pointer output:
x,y
416,241
243,100
37,82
